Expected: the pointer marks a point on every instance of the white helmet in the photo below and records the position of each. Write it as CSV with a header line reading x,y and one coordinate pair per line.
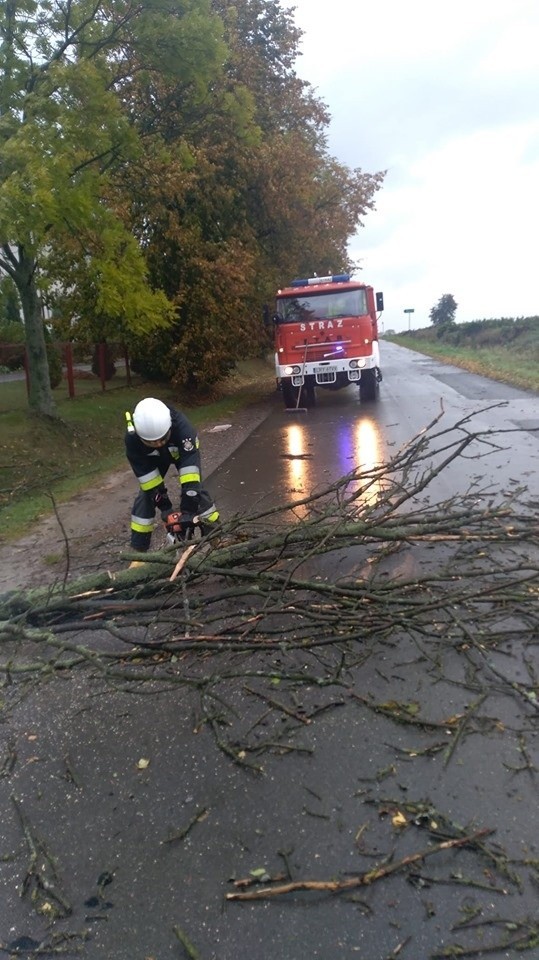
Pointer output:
x,y
152,419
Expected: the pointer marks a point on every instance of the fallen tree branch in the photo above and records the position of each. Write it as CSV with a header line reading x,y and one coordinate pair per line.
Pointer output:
x,y
364,879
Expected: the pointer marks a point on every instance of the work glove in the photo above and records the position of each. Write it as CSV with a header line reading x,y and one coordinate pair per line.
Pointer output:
x,y
162,502
190,503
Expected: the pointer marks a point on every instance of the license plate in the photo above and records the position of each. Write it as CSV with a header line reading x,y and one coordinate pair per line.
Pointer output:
x,y
327,368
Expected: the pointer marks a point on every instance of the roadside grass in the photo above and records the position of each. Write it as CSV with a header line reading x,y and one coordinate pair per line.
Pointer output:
x,y
516,367
43,463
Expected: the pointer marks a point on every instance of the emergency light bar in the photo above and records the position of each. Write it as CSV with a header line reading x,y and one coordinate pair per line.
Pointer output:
x,y
338,278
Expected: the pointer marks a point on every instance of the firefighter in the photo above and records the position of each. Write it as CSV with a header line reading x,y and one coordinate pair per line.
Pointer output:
x,y
158,437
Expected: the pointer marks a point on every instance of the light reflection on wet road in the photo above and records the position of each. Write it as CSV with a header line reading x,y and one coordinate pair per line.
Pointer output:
x,y
292,456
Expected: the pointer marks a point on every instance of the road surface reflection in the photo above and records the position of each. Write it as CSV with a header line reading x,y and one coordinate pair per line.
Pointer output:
x,y
300,476
367,454
357,450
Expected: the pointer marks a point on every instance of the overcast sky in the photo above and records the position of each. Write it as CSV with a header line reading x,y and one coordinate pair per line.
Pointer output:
x,y
445,97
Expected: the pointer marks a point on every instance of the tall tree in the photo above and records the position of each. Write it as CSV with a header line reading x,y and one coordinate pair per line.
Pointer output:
x,y
244,195
65,132
301,203
443,313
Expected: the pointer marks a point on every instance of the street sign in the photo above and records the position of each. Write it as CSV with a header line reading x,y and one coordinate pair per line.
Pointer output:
x,y
409,310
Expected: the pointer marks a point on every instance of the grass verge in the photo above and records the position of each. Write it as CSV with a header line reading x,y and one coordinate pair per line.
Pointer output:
x,y
43,463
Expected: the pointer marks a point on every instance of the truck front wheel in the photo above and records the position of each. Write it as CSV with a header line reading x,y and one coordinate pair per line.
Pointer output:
x,y
368,386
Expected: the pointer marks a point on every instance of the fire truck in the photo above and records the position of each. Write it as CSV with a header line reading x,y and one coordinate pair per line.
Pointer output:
x,y
326,335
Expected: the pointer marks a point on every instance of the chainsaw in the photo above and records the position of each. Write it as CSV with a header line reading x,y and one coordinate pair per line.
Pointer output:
x,y
181,526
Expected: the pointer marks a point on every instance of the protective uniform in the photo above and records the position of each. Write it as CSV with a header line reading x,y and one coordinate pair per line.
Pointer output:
x,y
150,465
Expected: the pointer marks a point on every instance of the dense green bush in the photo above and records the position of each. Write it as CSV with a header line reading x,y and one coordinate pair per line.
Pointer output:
x,y
193,361
520,335
11,333
13,358
151,356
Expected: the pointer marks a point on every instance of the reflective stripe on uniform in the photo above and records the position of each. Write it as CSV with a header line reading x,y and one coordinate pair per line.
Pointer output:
x,y
150,480
189,475
210,515
141,524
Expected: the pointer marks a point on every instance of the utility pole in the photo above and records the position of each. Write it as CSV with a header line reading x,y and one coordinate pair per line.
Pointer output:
x,y
409,311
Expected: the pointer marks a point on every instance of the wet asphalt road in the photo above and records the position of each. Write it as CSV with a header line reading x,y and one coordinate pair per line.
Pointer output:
x,y
325,809
293,454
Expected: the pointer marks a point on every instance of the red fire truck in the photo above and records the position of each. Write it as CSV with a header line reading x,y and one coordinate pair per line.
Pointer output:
x,y
326,335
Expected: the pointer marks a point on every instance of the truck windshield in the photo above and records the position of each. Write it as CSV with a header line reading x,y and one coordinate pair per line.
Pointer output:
x,y
322,306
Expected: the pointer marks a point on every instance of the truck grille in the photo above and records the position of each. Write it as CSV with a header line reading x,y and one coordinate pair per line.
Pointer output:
x,y
327,377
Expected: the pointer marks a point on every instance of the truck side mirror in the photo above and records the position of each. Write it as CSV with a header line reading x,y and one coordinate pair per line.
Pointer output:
x,y
379,302
266,315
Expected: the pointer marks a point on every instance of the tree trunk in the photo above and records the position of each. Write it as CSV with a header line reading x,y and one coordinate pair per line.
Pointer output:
x,y
40,398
